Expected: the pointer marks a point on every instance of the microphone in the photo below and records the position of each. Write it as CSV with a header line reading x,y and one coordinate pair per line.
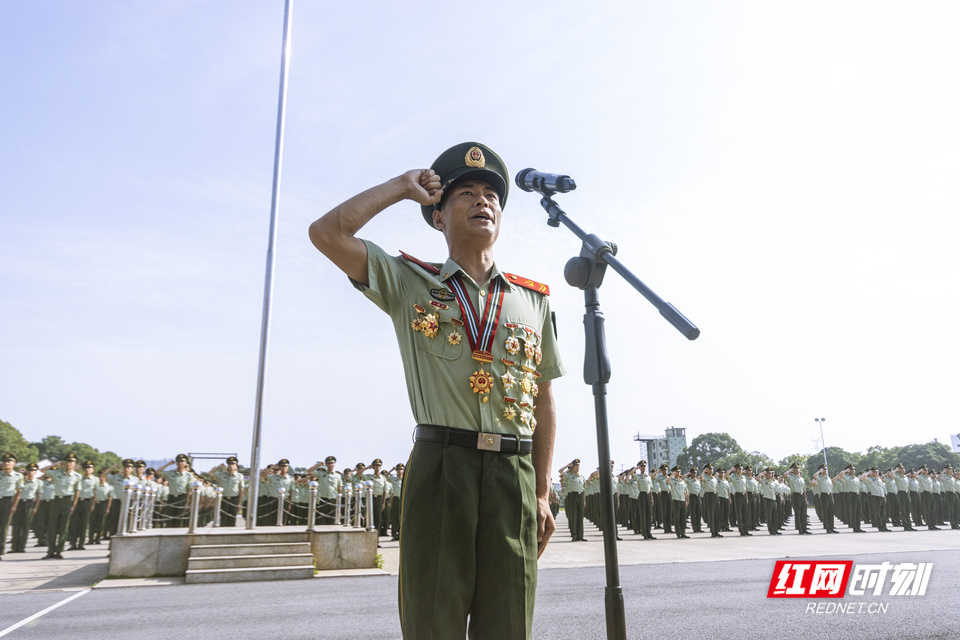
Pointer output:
x,y
544,183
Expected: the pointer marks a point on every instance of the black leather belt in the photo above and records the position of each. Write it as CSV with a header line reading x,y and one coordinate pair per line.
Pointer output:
x,y
472,439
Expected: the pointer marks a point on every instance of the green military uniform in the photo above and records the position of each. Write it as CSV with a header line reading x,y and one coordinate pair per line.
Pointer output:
x,y
80,520
678,496
329,486
66,485
23,516
798,497
572,485
825,489
179,486
233,486
644,501
11,482
117,482
103,504
710,502
379,489
467,553
396,486
271,486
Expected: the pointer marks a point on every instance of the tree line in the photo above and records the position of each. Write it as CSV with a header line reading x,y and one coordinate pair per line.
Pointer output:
x,y
724,451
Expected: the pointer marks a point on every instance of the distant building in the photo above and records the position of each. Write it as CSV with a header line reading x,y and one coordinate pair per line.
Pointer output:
x,y
657,450
955,441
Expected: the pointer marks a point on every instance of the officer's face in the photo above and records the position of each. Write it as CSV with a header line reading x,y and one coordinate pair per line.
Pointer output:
x,y
71,465
330,466
8,465
127,469
575,469
471,210
233,466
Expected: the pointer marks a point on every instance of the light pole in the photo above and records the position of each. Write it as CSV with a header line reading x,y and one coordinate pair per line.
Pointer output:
x,y
823,444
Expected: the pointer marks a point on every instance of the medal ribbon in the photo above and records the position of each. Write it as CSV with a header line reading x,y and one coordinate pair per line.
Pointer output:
x,y
480,331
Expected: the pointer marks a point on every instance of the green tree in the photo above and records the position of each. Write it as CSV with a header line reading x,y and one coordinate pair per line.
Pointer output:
x,y
708,447
52,448
933,454
12,441
837,459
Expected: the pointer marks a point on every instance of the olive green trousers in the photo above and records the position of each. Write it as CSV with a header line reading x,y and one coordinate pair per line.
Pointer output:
x,y
468,544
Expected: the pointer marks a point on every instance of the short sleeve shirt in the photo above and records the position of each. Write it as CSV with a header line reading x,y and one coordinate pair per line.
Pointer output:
x,y
572,482
10,483
232,483
64,483
438,360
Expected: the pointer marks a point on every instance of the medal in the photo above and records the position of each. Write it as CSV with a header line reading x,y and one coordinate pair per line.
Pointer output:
x,y
480,330
454,338
509,412
512,345
430,325
480,381
529,349
508,380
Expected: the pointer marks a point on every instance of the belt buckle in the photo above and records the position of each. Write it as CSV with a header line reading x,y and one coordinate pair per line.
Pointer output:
x,y
488,441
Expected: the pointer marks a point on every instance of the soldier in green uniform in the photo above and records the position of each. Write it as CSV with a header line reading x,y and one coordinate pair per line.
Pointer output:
x,y
396,484
229,478
23,516
680,497
695,508
66,483
81,515
825,487
644,500
572,484
708,485
180,481
117,482
379,489
479,354
798,498
329,486
103,503
11,482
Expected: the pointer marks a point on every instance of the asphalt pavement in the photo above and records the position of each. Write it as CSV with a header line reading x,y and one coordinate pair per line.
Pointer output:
x,y
671,589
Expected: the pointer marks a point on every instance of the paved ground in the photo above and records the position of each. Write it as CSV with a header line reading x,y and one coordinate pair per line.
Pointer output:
x,y
672,588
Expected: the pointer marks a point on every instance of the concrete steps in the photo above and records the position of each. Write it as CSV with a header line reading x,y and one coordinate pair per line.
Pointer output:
x,y
250,557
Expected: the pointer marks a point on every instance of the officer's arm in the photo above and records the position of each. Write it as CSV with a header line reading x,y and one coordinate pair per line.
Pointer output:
x,y
543,440
335,233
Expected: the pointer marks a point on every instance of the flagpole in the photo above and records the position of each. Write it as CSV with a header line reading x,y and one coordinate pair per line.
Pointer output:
x,y
254,486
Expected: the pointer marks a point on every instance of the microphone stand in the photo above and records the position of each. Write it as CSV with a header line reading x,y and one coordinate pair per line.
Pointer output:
x,y
586,272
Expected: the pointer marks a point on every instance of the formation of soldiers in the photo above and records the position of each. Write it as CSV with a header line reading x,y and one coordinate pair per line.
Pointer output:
x,y
63,506
742,499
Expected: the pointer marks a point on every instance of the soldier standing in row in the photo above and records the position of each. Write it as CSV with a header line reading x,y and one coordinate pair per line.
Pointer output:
x,y
66,484
644,500
708,484
798,498
229,478
572,485
23,516
396,485
11,483
329,486
180,481
81,516
102,506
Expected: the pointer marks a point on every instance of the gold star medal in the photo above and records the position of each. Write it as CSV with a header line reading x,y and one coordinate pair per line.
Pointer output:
x,y
481,381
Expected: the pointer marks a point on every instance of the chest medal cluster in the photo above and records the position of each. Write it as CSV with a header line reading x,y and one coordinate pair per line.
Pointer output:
x,y
523,347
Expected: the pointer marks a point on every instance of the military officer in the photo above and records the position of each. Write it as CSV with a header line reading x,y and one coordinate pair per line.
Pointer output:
x,y
479,354
11,483
666,514
102,504
738,487
379,488
798,498
951,493
180,481
847,482
768,497
645,486
80,520
329,486
825,487
41,515
708,486
66,483
723,500
572,485
694,491
926,497
396,485
272,484
117,481
680,497
21,519
229,478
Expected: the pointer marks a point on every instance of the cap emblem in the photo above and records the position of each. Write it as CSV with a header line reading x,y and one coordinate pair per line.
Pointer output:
x,y
474,158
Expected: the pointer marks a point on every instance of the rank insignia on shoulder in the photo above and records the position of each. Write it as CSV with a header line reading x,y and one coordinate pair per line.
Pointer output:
x,y
527,283
442,295
420,263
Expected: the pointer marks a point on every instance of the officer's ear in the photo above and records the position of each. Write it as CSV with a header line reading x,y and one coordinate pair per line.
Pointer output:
x,y
438,218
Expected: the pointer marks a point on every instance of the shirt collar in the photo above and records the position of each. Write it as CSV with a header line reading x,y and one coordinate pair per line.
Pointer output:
x,y
450,268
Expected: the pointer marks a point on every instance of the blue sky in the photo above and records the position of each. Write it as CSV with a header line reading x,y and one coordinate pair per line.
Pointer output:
x,y
786,175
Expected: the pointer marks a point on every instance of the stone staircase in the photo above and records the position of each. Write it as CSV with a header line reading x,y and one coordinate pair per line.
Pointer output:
x,y
253,556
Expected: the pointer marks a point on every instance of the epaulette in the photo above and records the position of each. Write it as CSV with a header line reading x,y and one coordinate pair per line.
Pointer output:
x,y
528,283
420,263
